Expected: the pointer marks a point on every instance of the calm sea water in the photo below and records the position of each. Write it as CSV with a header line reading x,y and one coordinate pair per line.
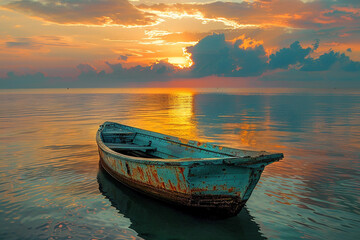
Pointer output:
x,y
51,186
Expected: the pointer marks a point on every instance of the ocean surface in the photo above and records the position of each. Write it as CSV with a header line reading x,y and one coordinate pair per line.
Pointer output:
x,y
51,186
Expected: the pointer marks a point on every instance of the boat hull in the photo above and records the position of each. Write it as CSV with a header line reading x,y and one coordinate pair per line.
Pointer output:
x,y
204,177
211,190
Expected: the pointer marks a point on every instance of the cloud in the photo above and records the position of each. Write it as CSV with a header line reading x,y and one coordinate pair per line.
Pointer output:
x,y
88,12
316,44
311,79
295,54
35,80
244,57
240,57
353,3
37,42
283,13
24,43
160,70
215,56
161,67
299,57
85,68
184,37
123,57
331,60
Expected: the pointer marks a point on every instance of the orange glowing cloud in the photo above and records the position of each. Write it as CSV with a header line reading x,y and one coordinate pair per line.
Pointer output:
x,y
175,14
255,14
91,13
246,42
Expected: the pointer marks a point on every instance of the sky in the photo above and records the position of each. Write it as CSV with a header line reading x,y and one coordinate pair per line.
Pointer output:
x,y
188,43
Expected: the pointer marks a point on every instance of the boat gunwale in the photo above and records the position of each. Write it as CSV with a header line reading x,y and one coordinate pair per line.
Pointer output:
x,y
262,158
156,161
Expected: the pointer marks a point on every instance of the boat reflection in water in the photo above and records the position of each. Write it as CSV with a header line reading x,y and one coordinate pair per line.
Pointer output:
x,y
153,219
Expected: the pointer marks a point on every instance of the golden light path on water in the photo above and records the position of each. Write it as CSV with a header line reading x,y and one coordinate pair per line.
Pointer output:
x,y
52,188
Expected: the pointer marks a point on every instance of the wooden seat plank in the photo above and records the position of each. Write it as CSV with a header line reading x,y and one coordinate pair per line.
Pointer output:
x,y
118,133
119,146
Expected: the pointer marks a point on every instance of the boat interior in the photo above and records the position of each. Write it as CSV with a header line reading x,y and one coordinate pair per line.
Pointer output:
x,y
123,142
146,145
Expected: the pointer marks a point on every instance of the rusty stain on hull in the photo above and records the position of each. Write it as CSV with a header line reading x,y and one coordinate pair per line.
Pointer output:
x,y
219,205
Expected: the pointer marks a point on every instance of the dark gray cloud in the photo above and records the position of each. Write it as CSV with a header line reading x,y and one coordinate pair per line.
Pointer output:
x,y
37,42
353,3
160,70
215,56
154,70
298,57
86,68
316,44
331,60
312,79
92,12
123,57
26,43
342,3
35,80
295,54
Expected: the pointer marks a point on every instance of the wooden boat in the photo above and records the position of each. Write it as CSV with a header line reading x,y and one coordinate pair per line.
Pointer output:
x,y
204,177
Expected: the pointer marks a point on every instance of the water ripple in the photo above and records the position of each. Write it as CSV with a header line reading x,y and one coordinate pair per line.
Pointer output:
x,y
51,186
